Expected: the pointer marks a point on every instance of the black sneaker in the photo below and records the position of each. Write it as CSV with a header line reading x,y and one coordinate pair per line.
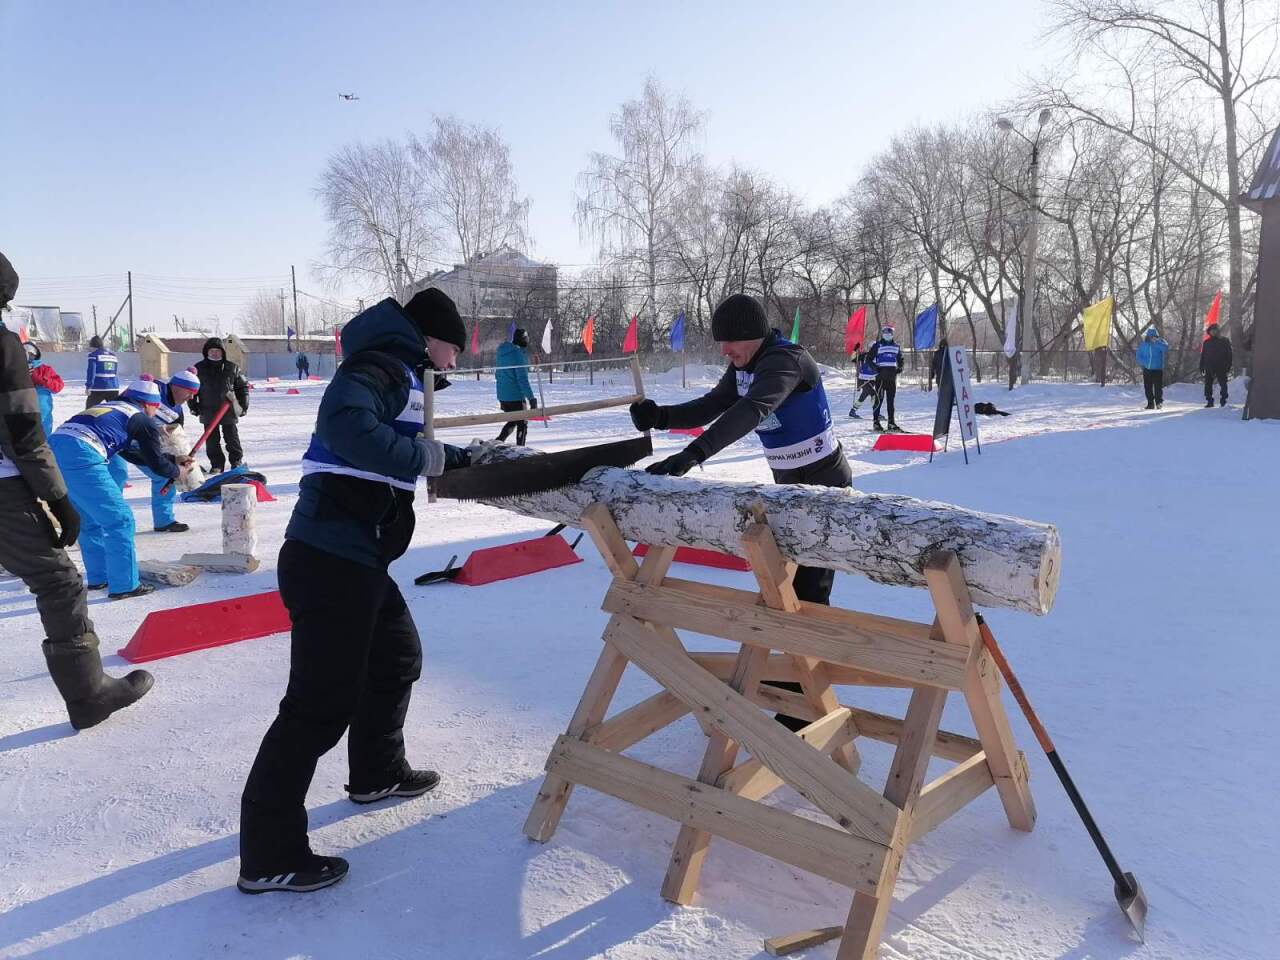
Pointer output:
x,y
413,784
853,412
141,590
878,427
1208,403
1222,402
318,873
176,527
95,586
894,428
1151,406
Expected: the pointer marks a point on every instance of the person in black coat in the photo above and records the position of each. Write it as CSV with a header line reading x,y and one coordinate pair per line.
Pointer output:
x,y
1215,364
220,380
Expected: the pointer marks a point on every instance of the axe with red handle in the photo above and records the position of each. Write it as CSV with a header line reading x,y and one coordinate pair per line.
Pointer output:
x,y
217,418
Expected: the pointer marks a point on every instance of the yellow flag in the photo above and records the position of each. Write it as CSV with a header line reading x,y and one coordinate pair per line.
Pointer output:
x,y
1097,323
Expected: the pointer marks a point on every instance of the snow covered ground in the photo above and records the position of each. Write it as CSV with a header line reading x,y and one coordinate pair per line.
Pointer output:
x,y
1155,673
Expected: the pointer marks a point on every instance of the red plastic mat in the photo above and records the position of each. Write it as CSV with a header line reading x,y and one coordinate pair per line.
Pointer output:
x,y
200,626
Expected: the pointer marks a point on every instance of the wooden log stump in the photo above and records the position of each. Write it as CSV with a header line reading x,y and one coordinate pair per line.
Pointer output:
x,y
239,533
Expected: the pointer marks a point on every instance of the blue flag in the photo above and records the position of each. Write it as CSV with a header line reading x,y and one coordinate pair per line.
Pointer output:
x,y
511,330
289,333
926,328
677,333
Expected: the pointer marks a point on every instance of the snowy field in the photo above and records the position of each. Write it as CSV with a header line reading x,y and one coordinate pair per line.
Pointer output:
x,y
1155,672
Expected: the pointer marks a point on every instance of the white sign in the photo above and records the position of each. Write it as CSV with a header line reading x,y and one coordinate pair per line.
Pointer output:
x,y
964,394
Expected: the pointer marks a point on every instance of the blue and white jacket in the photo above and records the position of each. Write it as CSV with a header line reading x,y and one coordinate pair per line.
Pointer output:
x,y
101,372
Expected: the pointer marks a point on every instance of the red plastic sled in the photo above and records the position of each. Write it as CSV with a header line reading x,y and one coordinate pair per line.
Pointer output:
x,y
293,390
167,633
702,558
920,442
516,560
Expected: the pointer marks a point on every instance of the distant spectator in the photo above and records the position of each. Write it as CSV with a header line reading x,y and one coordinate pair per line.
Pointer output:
x,y
1151,354
101,376
513,384
1215,364
47,383
303,365
220,380
866,382
937,363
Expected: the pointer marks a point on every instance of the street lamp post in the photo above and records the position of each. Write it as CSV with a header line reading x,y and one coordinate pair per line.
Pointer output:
x,y
1027,306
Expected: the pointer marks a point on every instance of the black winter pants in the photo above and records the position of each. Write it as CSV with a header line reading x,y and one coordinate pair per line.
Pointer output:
x,y
228,430
1221,380
1153,384
96,397
887,389
354,658
27,550
521,427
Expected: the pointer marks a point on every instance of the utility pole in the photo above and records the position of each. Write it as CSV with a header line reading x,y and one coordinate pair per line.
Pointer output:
x,y
129,276
1026,315
293,275
284,327
95,319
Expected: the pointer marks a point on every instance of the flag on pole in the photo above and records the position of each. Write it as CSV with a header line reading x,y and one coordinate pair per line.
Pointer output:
x,y
1212,316
1011,332
677,333
925,328
337,341
288,338
546,338
631,342
795,327
1097,323
475,339
511,330
589,334
854,330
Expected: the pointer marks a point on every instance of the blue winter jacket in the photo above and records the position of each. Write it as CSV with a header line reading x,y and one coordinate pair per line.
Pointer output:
x,y
513,384
1151,353
363,520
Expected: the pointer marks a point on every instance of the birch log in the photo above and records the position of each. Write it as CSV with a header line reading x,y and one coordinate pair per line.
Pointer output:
x,y
239,534
173,439
1007,562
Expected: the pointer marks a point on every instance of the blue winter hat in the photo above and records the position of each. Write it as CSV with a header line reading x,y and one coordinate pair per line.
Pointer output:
x,y
185,378
141,391
1151,333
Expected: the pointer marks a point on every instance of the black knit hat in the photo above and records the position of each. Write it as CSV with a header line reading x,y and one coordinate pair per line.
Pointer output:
x,y
437,316
520,337
739,317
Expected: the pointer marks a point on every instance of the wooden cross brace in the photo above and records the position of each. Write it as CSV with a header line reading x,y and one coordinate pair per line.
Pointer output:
x,y
818,647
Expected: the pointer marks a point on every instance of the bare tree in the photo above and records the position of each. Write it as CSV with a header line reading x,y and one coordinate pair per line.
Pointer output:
x,y
262,315
380,229
628,201
471,187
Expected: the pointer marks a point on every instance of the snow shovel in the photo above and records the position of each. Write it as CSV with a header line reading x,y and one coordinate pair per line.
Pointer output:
x,y
546,471
1129,895
195,448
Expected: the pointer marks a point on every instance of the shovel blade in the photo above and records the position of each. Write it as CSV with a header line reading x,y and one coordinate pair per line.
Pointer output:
x,y
1133,903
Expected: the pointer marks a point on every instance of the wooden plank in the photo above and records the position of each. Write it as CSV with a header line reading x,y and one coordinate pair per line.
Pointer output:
x,y
839,794
170,574
906,652
795,942
753,780
815,847
773,573
950,793
915,747
981,687
947,745
220,562
630,726
781,666
598,523
480,419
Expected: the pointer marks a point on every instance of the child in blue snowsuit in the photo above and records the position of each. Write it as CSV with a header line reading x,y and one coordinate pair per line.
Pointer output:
x,y
83,446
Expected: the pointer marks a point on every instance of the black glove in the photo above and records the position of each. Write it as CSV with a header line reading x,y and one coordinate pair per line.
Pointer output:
x,y
647,415
68,519
675,466
533,404
442,382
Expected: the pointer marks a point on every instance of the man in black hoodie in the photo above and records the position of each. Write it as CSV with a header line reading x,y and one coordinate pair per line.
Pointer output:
x,y
220,380
1215,364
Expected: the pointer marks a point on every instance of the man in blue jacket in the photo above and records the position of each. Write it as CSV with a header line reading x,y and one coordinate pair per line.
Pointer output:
x,y
886,357
355,652
101,376
1151,353
174,392
513,384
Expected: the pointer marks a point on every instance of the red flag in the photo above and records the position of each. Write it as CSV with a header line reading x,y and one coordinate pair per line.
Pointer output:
x,y
475,339
1212,316
589,334
337,341
631,342
854,330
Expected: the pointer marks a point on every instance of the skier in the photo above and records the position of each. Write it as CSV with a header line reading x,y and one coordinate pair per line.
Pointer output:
x,y
1215,364
101,377
180,388
303,365
355,651
512,379
83,447
47,383
866,382
886,357
31,548
773,387
220,380
1151,353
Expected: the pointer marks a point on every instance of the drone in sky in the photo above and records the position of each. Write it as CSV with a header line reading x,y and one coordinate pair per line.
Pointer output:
x,y
347,96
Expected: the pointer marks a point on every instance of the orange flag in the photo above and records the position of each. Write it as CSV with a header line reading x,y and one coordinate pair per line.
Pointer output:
x,y
475,339
589,334
631,342
1212,316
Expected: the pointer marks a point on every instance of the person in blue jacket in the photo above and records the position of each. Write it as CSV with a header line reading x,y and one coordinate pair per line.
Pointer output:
x,y
1151,355
512,379
887,359
355,652
866,381
101,376
174,392
47,383
83,446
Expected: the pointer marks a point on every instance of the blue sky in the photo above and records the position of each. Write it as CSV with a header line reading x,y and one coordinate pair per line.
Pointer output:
x,y
183,140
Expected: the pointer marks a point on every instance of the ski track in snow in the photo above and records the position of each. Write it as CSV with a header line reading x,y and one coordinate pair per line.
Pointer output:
x,y
1154,673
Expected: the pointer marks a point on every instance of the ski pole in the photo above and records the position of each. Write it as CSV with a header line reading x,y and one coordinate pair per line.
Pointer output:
x,y
217,418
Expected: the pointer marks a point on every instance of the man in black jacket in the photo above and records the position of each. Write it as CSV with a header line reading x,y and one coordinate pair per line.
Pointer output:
x,y
771,386
1215,364
31,548
220,380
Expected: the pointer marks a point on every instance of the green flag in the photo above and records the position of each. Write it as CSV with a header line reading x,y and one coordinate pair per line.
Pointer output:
x,y
795,327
